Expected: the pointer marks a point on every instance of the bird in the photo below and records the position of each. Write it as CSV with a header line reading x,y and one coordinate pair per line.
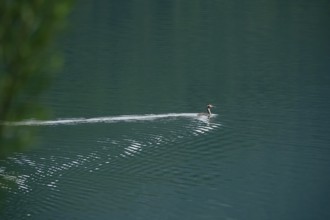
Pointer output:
x,y
208,112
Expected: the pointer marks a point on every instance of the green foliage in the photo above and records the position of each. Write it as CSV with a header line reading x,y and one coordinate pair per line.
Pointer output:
x,y
27,30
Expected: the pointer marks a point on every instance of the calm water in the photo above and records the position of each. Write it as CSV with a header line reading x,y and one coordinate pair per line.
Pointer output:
x,y
124,141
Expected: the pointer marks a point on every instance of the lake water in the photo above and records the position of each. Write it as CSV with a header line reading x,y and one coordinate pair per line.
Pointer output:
x,y
125,142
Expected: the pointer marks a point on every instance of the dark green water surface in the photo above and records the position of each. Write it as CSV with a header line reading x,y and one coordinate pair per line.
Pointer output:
x,y
125,141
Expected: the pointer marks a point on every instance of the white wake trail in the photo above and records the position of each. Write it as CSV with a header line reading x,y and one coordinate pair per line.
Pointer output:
x,y
112,119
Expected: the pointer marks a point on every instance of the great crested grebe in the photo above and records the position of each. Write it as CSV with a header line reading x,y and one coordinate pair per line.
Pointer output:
x,y
208,113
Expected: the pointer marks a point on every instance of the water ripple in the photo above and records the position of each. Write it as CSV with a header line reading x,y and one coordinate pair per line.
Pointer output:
x,y
160,152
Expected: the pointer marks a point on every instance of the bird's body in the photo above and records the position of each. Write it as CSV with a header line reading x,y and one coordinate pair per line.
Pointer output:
x,y
208,112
